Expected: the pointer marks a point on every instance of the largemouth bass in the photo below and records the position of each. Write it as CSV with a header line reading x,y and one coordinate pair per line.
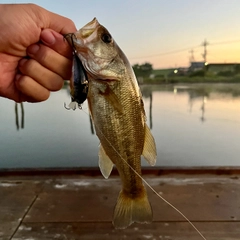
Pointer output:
x,y
116,107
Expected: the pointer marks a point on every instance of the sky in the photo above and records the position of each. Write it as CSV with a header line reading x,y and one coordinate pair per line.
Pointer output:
x,y
161,32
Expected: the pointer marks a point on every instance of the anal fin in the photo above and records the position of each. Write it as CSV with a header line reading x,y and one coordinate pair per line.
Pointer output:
x,y
105,163
149,149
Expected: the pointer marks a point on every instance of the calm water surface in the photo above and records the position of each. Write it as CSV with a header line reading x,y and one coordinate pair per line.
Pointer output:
x,y
193,125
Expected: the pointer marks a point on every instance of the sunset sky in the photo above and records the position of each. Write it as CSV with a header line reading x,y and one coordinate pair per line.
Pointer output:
x,y
162,32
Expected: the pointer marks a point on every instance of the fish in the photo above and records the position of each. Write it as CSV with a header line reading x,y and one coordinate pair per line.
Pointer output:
x,y
117,111
78,81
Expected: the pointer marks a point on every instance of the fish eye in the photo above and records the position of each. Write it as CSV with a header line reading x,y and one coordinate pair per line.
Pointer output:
x,y
106,37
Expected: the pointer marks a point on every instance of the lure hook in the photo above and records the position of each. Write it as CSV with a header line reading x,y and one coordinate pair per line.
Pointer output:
x,y
73,107
65,106
70,35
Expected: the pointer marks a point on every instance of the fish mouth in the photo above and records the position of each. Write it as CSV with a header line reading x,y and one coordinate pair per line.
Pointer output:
x,y
88,29
79,39
77,44
86,34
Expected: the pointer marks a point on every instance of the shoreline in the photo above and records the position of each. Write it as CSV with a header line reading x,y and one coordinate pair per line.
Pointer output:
x,y
188,80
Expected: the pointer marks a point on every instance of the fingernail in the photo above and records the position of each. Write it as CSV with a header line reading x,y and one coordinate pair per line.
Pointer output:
x,y
33,49
47,37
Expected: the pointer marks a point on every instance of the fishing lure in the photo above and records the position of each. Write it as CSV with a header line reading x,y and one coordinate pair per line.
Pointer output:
x,y
79,79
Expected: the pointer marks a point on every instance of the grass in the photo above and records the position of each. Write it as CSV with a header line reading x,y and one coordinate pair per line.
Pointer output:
x,y
162,72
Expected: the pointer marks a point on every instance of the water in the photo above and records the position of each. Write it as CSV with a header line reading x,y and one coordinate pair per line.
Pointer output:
x,y
193,125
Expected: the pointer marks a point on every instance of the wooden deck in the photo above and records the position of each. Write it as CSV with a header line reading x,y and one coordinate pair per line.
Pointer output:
x,y
75,206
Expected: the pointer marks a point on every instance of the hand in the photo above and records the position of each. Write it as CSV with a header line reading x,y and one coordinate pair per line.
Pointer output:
x,y
34,58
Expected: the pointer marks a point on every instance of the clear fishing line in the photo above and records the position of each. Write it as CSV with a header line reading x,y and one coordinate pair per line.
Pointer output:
x,y
163,199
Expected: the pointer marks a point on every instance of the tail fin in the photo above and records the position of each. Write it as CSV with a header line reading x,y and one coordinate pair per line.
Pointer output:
x,y
131,209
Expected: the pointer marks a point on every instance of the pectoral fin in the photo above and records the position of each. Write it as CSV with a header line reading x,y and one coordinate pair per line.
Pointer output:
x,y
111,97
149,149
105,163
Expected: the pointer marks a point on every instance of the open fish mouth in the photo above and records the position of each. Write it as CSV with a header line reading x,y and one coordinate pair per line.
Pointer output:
x,y
88,29
85,35
78,38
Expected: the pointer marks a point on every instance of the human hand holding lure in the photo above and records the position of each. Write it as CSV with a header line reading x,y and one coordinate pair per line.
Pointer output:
x,y
34,59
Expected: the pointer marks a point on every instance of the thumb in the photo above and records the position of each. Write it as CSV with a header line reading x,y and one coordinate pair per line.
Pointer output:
x,y
56,41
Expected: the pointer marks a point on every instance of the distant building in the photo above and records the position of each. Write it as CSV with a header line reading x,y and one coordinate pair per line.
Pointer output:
x,y
223,67
152,76
196,66
178,72
181,71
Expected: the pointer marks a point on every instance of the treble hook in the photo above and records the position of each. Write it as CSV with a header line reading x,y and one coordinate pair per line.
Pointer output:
x,y
79,106
70,35
66,107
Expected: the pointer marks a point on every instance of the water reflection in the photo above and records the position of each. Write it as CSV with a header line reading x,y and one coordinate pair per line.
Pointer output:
x,y
91,124
193,125
22,115
204,101
147,93
150,112
196,93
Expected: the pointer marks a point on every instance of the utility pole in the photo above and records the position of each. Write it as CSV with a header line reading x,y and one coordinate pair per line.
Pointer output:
x,y
204,54
192,59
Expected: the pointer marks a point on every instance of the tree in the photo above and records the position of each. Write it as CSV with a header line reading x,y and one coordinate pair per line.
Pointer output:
x,y
143,70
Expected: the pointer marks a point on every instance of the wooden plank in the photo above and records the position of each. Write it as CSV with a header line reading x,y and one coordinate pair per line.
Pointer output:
x,y
200,199
81,208
81,200
74,200
105,231
15,199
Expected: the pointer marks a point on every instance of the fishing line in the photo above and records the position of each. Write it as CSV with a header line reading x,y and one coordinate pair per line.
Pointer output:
x,y
162,198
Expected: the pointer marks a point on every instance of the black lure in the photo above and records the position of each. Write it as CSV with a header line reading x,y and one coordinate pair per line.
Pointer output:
x,y
79,77
80,81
